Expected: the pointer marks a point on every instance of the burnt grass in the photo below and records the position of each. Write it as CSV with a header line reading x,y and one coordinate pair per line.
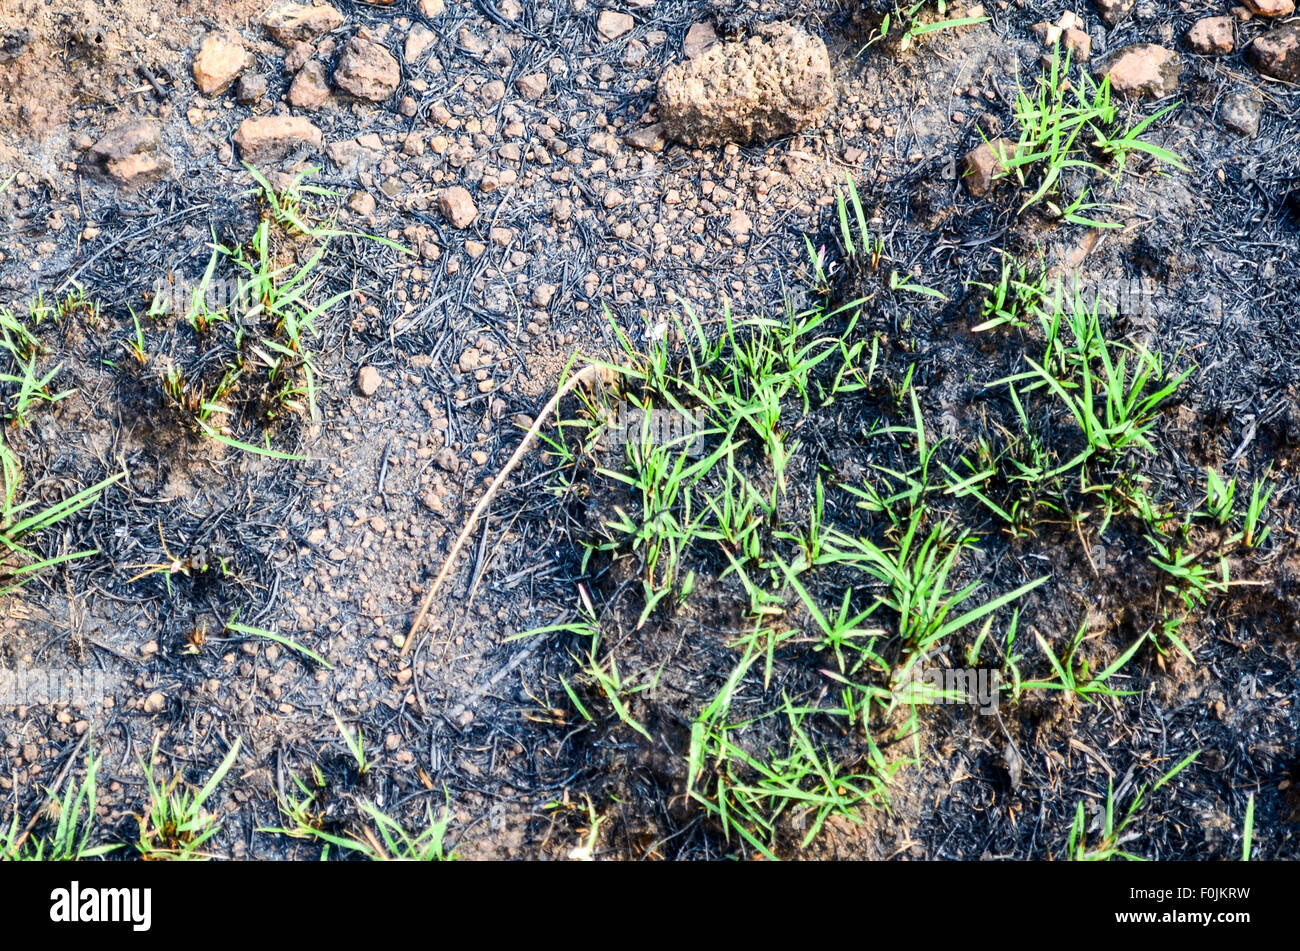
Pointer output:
x,y
483,718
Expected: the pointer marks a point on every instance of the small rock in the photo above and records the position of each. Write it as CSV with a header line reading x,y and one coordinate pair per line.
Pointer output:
x,y
291,23
251,88
361,203
1210,36
353,155
635,54
367,71
1113,11
414,144
419,39
148,648
611,24
982,167
1069,20
310,88
220,60
267,139
1277,52
543,294
699,38
457,206
1270,8
1079,45
156,702
1143,70
368,380
613,198
775,83
1049,34
1241,113
432,8
651,138
532,86
297,57
478,457
446,460
129,155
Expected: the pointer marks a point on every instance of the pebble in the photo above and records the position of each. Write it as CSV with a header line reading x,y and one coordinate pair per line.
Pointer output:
x,y
698,39
981,167
251,88
367,71
612,24
457,206
1143,70
1241,113
220,60
361,203
290,23
1211,36
270,138
368,381
1270,8
1277,52
531,86
310,88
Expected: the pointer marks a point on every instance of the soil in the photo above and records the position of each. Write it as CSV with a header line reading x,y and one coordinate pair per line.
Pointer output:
x,y
431,368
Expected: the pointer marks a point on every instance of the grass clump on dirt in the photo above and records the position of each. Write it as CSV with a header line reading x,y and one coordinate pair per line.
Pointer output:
x,y
67,825
823,579
247,362
25,387
1070,130
855,580
175,824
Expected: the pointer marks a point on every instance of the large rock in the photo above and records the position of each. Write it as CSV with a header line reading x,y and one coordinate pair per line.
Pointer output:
x,y
290,23
310,88
775,83
1270,8
1277,52
1211,36
1143,71
270,138
129,155
220,60
367,70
